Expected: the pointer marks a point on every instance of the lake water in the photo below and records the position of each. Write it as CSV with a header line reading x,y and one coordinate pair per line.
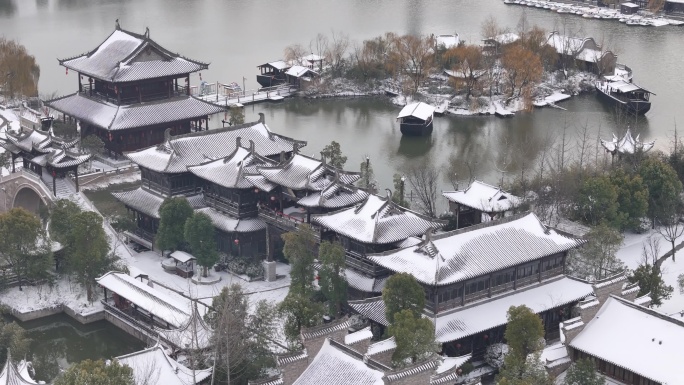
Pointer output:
x,y
59,341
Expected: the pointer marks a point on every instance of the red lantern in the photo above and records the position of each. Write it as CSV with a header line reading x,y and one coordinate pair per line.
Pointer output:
x,y
256,190
67,71
318,278
272,198
236,241
486,337
459,371
200,74
458,346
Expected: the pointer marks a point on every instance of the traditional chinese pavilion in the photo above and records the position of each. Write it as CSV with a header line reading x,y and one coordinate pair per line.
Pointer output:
x,y
210,169
627,145
131,90
480,202
44,154
472,276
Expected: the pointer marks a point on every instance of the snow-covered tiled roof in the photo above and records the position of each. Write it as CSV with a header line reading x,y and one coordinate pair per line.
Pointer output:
x,y
371,308
334,196
313,57
476,250
195,334
182,256
152,366
382,346
403,373
324,330
361,282
159,304
141,200
113,117
451,363
642,340
464,322
484,197
302,172
358,336
420,110
377,220
126,56
627,144
15,374
181,151
335,366
565,45
230,171
232,225
278,64
300,71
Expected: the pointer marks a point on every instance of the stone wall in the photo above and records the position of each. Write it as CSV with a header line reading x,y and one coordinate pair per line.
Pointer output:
x,y
35,314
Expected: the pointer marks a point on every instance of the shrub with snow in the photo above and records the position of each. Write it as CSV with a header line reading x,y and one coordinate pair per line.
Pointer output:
x,y
495,354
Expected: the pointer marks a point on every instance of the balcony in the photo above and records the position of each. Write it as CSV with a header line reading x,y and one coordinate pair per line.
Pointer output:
x,y
362,264
286,222
228,206
128,97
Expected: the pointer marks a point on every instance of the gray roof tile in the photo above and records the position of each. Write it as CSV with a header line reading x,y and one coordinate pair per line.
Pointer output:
x,y
230,171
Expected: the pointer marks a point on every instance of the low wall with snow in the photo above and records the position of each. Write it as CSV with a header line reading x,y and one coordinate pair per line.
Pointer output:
x,y
85,318
36,314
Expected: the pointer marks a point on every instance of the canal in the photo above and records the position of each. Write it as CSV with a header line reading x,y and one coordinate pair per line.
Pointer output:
x,y
58,341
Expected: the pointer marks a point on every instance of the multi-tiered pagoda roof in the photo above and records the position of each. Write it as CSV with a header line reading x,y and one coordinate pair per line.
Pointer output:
x,y
377,220
127,56
484,197
177,153
43,149
627,144
301,172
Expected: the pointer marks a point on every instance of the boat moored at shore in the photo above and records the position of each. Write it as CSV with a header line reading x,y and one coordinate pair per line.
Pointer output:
x,y
625,94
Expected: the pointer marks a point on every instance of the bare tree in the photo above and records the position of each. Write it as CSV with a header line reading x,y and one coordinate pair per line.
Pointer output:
x,y
294,53
424,181
337,50
415,56
671,228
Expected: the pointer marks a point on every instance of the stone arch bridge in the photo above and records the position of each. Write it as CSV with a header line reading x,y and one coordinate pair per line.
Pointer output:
x,y
24,189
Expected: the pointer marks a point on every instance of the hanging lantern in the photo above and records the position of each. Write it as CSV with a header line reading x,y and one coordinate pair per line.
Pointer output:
x,y
458,346
459,371
236,241
486,337
256,190
67,71
200,74
318,278
272,198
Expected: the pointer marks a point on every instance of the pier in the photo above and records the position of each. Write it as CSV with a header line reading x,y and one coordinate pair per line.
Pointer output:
x,y
226,94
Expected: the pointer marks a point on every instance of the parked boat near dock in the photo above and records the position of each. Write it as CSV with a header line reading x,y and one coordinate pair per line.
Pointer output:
x,y
416,119
625,94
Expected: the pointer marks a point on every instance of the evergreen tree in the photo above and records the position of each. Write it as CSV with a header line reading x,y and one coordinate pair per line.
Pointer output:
x,y
61,220
650,280
97,373
92,144
200,236
583,372
299,251
403,292
632,198
88,256
399,196
529,371
24,245
524,331
332,281
13,337
333,155
415,337
237,116
663,186
171,233
597,201
298,311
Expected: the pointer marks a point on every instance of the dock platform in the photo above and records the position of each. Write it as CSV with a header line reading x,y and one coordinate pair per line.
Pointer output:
x,y
217,94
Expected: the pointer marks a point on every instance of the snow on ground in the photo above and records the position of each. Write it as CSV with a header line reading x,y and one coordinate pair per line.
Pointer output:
x,y
631,254
39,297
109,180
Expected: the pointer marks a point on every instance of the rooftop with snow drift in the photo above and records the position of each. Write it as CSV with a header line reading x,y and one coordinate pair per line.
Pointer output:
x,y
48,149
420,110
171,310
149,203
16,374
585,49
627,144
230,171
459,255
641,340
484,197
127,56
153,366
301,172
114,117
377,220
179,152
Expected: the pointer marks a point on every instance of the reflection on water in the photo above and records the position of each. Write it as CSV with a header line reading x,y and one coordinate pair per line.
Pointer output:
x,y
413,146
58,341
7,7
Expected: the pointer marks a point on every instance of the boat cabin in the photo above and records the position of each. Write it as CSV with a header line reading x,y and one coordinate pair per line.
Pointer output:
x,y
272,73
629,8
629,96
416,119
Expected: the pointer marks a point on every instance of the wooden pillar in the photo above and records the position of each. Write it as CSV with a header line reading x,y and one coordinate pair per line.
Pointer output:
x,y
90,82
458,214
54,184
269,246
14,158
187,82
76,177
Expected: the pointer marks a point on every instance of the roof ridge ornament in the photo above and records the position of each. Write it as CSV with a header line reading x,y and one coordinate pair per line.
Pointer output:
x,y
117,26
262,118
147,32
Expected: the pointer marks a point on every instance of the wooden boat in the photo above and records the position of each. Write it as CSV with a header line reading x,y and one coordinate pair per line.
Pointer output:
x,y
416,119
627,95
